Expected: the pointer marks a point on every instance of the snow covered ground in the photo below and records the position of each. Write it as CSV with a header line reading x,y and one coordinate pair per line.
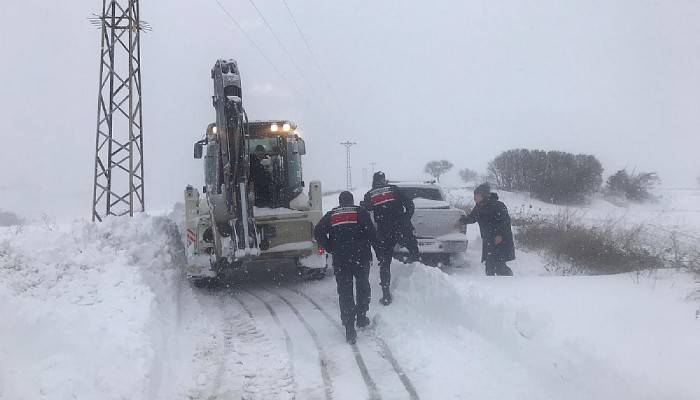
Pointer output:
x,y
102,311
88,310
677,209
547,337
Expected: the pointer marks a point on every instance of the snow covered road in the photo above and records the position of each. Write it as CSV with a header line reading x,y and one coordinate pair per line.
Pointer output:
x,y
103,311
462,336
305,357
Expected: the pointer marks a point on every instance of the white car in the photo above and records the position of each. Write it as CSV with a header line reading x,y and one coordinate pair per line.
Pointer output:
x,y
441,236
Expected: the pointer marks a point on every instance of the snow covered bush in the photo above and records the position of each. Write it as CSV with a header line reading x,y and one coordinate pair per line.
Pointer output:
x,y
682,251
552,176
635,186
8,218
468,175
574,246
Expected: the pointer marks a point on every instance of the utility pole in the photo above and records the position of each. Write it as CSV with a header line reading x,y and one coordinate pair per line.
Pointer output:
x,y
118,184
373,164
348,170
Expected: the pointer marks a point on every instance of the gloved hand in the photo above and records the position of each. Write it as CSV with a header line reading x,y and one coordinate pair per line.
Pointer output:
x,y
324,248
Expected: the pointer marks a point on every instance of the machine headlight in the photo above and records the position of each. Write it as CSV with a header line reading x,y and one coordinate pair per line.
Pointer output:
x,y
286,127
211,133
274,128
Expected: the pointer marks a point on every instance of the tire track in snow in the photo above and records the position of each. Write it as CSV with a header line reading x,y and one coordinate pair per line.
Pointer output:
x,y
385,351
209,356
239,374
371,385
228,344
244,306
287,337
323,358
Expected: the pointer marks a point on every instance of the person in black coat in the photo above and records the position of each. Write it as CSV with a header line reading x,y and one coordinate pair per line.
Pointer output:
x,y
496,234
348,234
392,212
262,181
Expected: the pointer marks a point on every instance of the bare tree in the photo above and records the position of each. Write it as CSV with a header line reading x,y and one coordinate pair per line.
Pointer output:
x,y
437,168
49,222
468,175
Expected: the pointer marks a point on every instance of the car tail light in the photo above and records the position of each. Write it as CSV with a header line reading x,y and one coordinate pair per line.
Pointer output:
x,y
321,251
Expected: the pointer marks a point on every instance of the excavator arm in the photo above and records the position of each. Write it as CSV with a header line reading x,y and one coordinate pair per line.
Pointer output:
x,y
234,158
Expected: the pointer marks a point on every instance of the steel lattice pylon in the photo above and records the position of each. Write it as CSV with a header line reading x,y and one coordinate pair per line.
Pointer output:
x,y
118,185
348,168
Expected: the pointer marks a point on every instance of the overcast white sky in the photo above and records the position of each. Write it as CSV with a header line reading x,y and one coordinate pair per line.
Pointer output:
x,y
414,81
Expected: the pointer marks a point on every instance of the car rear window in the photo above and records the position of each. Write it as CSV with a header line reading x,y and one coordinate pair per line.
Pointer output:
x,y
423,193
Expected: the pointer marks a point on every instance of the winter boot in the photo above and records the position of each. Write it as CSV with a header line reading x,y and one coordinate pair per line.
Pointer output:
x,y
362,320
504,270
350,334
386,297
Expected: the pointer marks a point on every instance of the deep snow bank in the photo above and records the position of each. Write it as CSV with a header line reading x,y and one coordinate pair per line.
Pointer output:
x,y
87,309
555,337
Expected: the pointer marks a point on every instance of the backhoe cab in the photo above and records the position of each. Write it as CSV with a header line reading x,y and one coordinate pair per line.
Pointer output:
x,y
254,210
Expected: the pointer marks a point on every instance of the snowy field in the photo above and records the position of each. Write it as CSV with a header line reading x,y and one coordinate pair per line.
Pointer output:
x,y
678,210
101,311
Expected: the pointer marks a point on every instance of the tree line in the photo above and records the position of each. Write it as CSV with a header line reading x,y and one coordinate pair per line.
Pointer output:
x,y
555,176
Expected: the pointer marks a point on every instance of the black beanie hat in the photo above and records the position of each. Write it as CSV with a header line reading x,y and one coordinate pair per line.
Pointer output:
x,y
346,199
484,189
378,177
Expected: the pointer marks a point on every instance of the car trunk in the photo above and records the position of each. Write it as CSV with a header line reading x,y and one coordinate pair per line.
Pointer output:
x,y
434,218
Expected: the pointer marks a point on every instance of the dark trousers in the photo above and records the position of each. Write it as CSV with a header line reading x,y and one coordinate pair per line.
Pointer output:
x,y
344,274
497,267
388,239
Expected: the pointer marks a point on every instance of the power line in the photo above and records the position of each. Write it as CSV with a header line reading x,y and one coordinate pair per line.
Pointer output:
x,y
312,54
257,47
279,41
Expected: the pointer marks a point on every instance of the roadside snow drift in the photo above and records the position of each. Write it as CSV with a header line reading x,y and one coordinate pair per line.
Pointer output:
x,y
87,309
532,337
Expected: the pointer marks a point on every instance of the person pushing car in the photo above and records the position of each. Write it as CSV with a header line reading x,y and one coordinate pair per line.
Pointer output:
x,y
347,233
392,212
496,234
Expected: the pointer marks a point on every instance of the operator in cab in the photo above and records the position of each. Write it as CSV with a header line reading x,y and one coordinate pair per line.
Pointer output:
x,y
262,181
347,233
496,233
392,213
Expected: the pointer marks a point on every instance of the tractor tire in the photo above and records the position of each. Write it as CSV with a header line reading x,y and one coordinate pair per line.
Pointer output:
x,y
312,274
206,282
